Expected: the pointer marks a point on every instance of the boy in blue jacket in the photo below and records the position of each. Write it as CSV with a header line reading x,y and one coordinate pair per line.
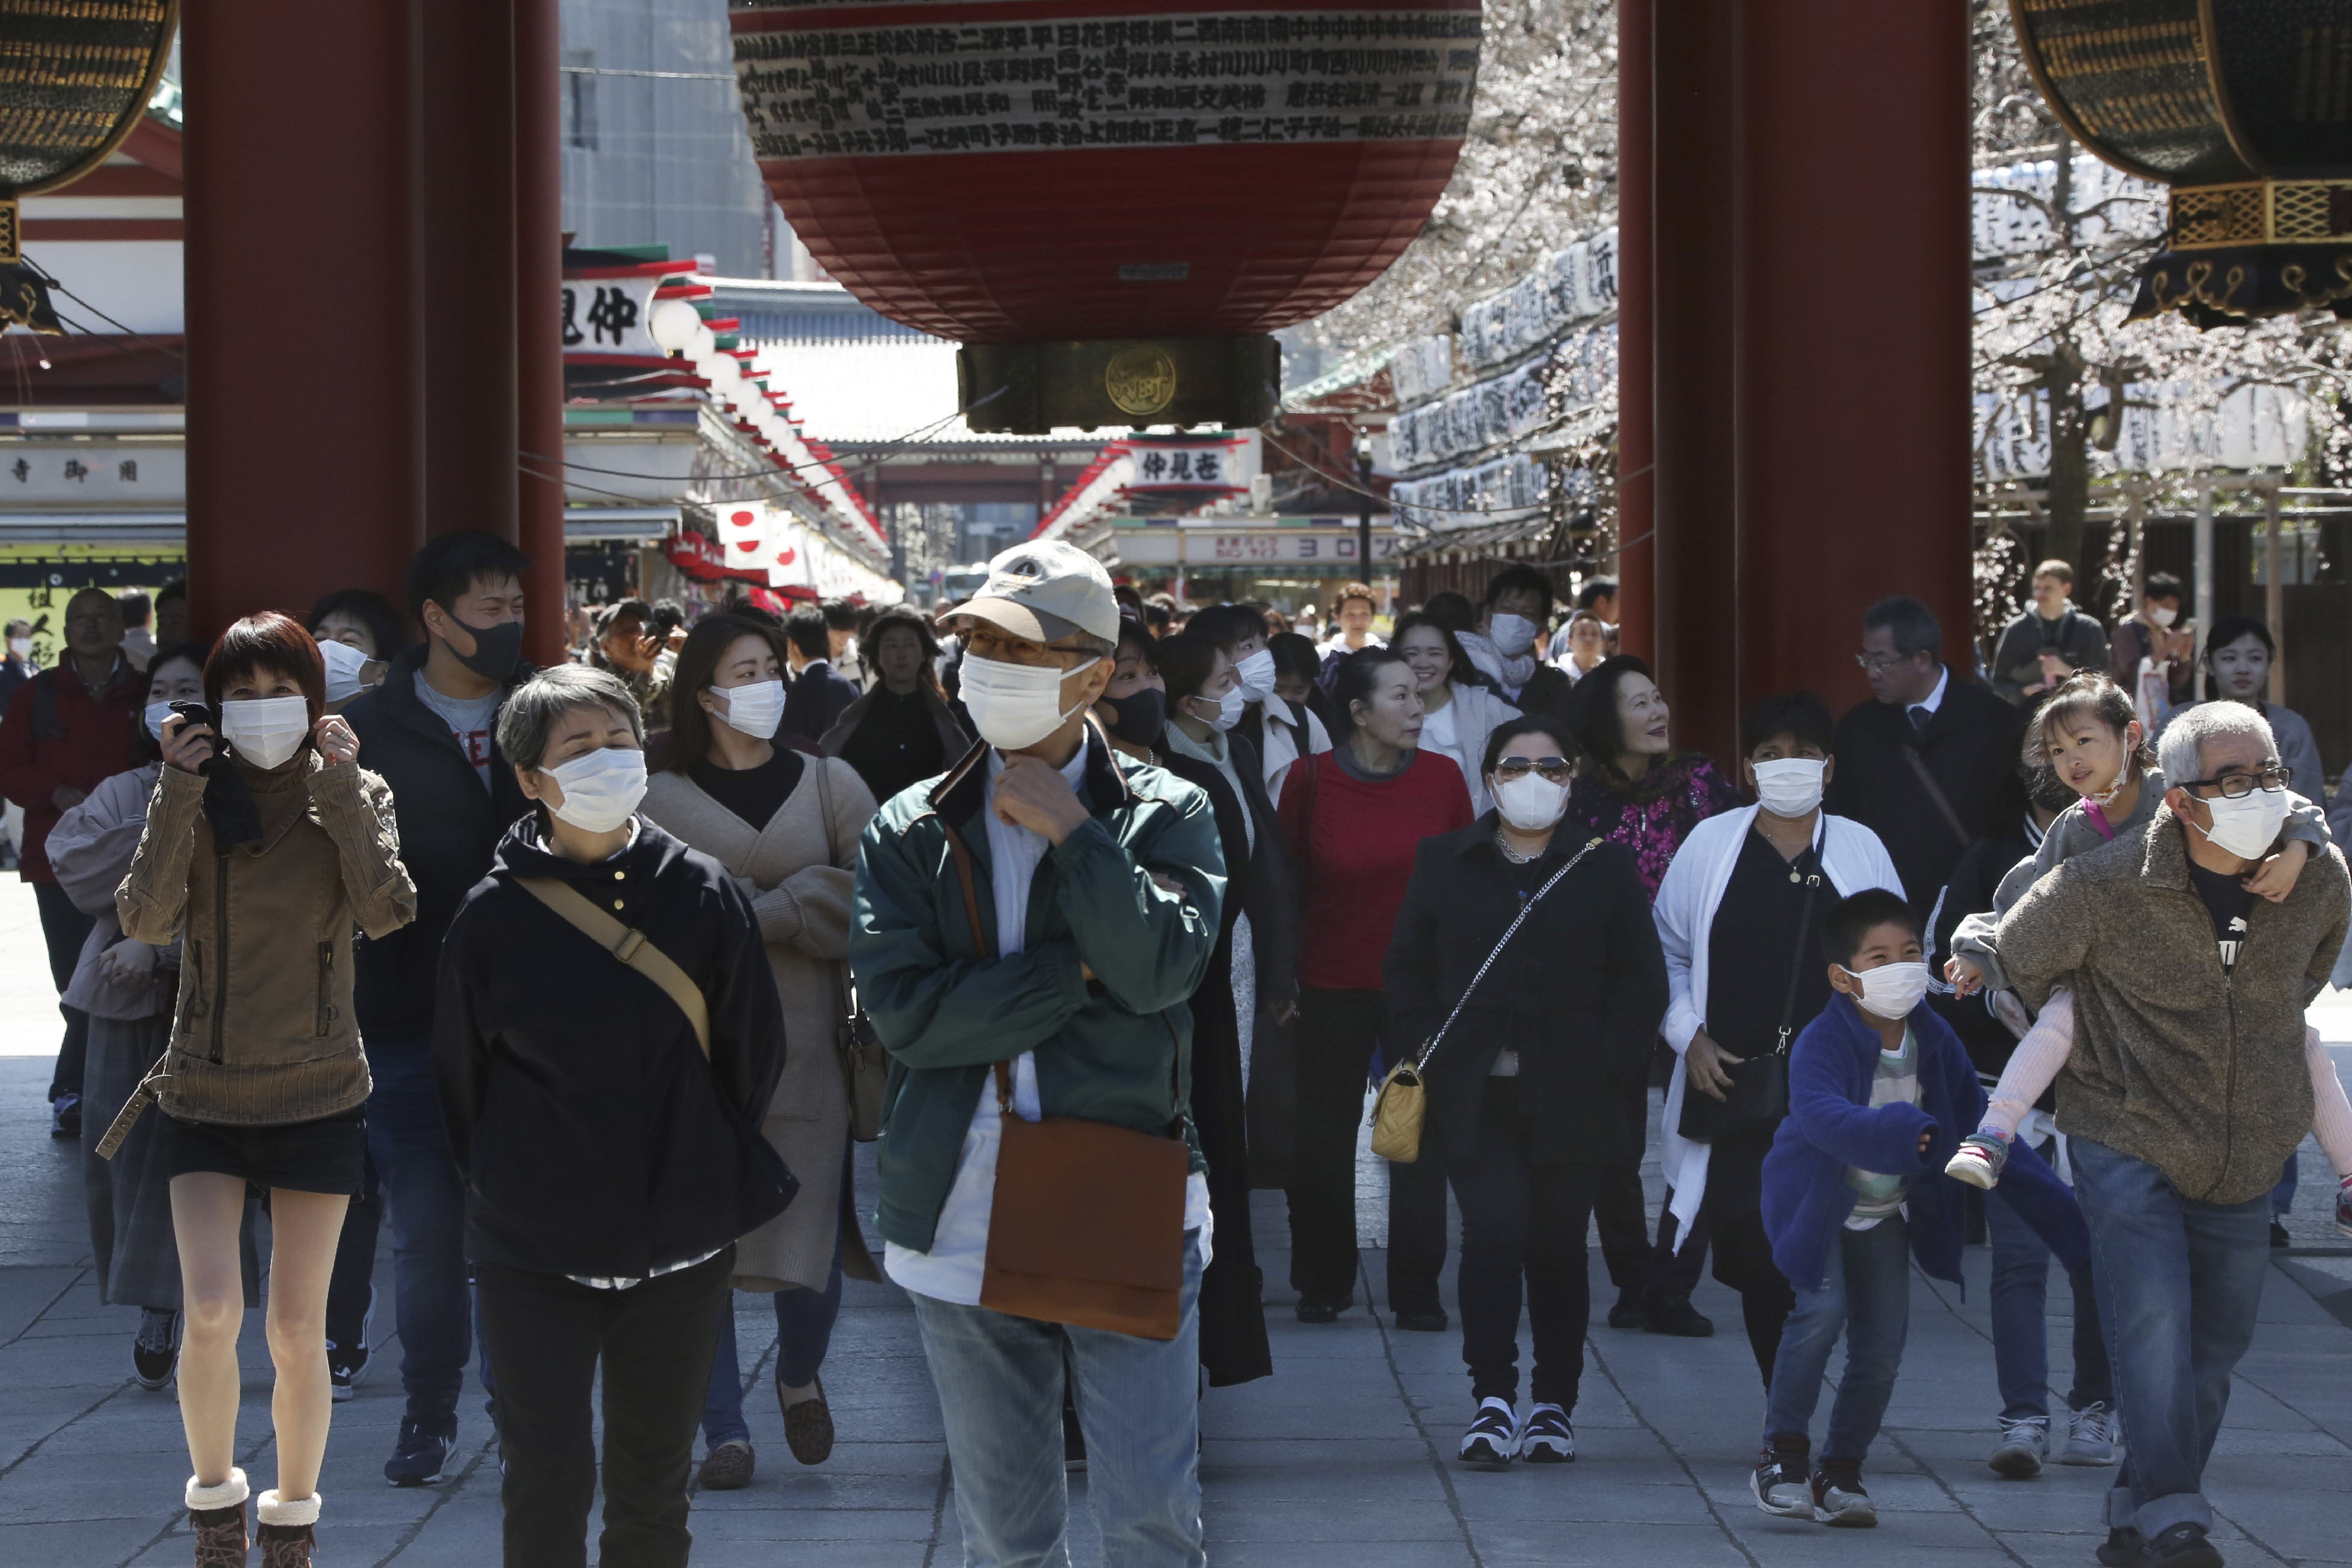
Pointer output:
x,y
1880,1092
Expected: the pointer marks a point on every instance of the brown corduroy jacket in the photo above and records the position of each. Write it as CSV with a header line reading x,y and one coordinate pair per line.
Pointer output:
x,y
264,1033
2196,1071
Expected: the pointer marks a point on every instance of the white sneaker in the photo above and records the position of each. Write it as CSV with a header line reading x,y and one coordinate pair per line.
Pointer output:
x,y
2090,1436
1840,1501
1493,1435
2024,1441
1547,1439
1780,1486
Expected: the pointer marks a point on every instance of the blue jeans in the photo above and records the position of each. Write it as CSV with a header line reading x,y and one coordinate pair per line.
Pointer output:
x,y
2283,1196
1867,1294
804,1332
1000,1384
2179,1282
2021,1326
426,1201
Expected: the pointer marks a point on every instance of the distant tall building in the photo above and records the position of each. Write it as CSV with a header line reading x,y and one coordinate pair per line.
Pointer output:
x,y
654,143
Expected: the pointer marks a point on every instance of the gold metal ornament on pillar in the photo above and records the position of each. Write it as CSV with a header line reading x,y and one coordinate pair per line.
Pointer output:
x,y
75,78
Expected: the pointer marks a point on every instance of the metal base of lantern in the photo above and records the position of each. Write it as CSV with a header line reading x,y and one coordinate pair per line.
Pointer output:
x,y
1029,389
2228,287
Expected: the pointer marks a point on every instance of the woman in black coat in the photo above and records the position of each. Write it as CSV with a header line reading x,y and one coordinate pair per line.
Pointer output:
x,y
1527,1101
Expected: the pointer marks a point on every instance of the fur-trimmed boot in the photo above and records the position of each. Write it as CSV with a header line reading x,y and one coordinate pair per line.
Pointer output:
x,y
286,1529
216,1516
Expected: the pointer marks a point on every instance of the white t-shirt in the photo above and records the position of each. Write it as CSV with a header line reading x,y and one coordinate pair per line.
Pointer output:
x,y
469,719
1896,1082
953,1269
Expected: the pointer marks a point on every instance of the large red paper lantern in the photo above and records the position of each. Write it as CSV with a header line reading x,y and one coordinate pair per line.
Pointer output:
x,y
1108,202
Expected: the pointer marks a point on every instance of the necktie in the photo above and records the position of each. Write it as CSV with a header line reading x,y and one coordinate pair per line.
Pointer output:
x,y
1919,717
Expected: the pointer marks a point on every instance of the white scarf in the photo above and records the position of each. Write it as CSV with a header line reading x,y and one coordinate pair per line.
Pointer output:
x,y
1514,673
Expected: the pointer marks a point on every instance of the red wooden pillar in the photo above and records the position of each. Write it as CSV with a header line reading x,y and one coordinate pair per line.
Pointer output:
x,y
469,222
538,282
1854,335
1695,584
302,473
1636,541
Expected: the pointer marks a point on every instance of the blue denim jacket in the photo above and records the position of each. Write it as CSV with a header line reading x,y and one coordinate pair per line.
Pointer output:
x,y
1831,1125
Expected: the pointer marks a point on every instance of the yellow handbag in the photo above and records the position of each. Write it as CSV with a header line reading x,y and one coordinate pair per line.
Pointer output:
x,y
1402,1103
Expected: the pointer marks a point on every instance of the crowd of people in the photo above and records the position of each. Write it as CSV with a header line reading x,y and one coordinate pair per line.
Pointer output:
x,y
1097,915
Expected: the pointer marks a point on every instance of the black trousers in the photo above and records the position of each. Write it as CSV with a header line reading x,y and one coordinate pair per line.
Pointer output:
x,y
1417,1231
1522,1221
1338,1032
1617,1211
545,1335
63,931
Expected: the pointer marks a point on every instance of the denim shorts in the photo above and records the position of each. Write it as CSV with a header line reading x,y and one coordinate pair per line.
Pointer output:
x,y
321,1156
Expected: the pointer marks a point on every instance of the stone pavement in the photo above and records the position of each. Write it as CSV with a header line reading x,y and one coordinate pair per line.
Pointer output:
x,y
1341,1459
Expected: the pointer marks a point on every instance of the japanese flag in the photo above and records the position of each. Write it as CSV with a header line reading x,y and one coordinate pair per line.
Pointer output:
x,y
743,531
789,565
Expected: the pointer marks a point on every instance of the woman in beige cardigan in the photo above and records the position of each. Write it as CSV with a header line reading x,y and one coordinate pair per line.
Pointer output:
x,y
786,825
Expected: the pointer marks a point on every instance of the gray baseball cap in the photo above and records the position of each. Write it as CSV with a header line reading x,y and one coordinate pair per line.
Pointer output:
x,y
1044,591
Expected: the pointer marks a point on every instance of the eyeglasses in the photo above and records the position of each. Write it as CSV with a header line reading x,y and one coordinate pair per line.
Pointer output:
x,y
1872,663
1554,769
2238,786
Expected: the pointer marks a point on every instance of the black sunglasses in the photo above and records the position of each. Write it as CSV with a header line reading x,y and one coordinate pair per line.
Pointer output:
x,y
1552,768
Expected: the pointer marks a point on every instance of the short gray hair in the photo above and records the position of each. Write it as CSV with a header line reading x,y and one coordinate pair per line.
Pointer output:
x,y
2180,750
531,711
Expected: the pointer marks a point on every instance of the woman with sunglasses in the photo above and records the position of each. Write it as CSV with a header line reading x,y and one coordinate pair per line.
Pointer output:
x,y
1528,1108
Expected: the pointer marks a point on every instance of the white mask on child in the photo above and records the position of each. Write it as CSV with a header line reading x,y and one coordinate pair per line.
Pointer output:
x,y
1891,990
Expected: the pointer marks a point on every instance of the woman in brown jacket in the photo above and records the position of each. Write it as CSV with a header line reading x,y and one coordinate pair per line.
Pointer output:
x,y
261,854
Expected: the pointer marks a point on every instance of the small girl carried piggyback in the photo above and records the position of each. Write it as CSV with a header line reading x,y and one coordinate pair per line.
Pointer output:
x,y
1880,1092
2086,732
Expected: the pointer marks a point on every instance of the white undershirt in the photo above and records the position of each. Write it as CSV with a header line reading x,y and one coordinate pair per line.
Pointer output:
x,y
953,1269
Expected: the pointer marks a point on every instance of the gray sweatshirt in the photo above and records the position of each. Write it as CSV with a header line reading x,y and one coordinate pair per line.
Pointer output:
x,y
2071,833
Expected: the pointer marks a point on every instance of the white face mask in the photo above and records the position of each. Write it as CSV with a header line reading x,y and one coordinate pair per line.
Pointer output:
x,y
266,730
1531,802
1255,676
2250,824
344,663
2163,615
1016,705
1229,708
156,714
755,709
1513,635
22,648
1891,990
1791,786
601,788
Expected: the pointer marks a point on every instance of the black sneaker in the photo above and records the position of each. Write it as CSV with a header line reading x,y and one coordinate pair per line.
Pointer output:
x,y
1631,1310
2122,1549
2279,1238
2183,1546
156,1350
421,1455
1322,1311
65,1116
1421,1320
1493,1435
1548,1439
344,1369
1674,1314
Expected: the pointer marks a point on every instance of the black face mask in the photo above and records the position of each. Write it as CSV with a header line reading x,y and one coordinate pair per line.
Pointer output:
x,y
2050,792
497,649
1142,717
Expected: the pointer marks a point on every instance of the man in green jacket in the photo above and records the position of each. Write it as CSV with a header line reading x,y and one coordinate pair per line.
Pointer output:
x,y
1028,929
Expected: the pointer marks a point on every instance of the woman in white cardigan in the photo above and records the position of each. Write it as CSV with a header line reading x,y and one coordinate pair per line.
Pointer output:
x,y
1748,892
786,825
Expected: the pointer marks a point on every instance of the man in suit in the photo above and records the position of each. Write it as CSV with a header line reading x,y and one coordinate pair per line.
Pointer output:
x,y
819,695
1921,764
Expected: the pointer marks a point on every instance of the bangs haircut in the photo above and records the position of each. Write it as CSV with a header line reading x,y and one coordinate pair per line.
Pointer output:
x,y
1294,656
269,641
1459,670
1851,921
1135,638
2086,694
1227,625
451,564
697,663
1185,661
1520,578
1801,714
1525,724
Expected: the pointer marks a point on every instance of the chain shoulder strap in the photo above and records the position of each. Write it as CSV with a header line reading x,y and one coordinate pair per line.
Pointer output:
x,y
1525,910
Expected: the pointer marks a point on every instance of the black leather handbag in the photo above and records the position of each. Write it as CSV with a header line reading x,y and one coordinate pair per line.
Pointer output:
x,y
1758,1097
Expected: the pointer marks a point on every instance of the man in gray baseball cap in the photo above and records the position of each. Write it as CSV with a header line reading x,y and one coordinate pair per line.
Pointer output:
x,y
1027,933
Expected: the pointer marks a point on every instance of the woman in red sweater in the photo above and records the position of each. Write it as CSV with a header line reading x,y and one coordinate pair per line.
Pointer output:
x,y
1352,816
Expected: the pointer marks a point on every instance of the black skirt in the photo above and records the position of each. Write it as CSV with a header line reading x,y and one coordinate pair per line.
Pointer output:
x,y
321,1156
